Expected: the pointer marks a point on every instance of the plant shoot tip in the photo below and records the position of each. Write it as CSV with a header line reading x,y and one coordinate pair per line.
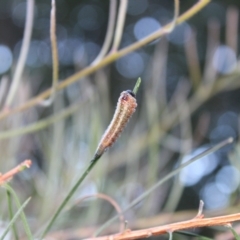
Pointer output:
x,y
137,85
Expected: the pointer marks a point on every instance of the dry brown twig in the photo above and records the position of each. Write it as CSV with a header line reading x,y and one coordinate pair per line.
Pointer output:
x,y
155,231
111,201
8,175
147,222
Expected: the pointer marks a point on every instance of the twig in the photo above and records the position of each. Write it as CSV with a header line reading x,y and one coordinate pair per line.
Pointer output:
x,y
53,38
175,16
23,53
5,177
107,60
41,124
110,30
147,222
200,210
156,231
119,25
112,202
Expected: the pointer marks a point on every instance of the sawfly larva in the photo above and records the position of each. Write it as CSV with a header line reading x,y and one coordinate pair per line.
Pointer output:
x,y
126,106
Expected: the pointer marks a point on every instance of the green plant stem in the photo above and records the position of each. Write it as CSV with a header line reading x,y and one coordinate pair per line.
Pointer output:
x,y
23,53
109,33
11,223
237,237
197,236
69,195
137,85
107,60
120,24
42,124
55,64
23,217
10,210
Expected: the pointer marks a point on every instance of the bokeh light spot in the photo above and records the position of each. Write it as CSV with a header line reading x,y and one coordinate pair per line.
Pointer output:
x,y
228,118
5,58
67,49
193,173
213,198
130,66
224,59
145,26
222,132
228,179
180,34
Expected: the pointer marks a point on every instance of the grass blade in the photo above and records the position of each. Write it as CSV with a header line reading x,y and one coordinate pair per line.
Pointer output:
x,y
199,237
137,85
237,237
10,210
23,217
11,223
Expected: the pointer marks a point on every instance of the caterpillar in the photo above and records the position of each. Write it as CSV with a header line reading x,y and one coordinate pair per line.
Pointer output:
x,y
126,106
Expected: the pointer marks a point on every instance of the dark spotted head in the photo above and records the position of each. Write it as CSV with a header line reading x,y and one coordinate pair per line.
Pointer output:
x,y
126,95
131,93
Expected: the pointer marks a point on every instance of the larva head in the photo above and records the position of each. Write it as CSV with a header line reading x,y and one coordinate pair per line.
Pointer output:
x,y
131,93
128,99
127,95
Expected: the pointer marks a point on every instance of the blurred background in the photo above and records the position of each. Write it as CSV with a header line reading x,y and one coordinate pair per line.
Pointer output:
x,y
188,102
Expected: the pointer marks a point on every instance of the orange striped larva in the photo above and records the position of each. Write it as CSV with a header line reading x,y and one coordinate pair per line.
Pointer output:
x,y
126,106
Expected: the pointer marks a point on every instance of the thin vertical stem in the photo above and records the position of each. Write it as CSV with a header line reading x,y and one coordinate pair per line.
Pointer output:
x,y
137,85
110,30
55,64
10,210
22,214
120,24
69,195
23,53
175,16
11,223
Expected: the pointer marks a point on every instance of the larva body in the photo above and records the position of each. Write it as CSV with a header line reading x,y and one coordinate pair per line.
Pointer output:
x,y
126,106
